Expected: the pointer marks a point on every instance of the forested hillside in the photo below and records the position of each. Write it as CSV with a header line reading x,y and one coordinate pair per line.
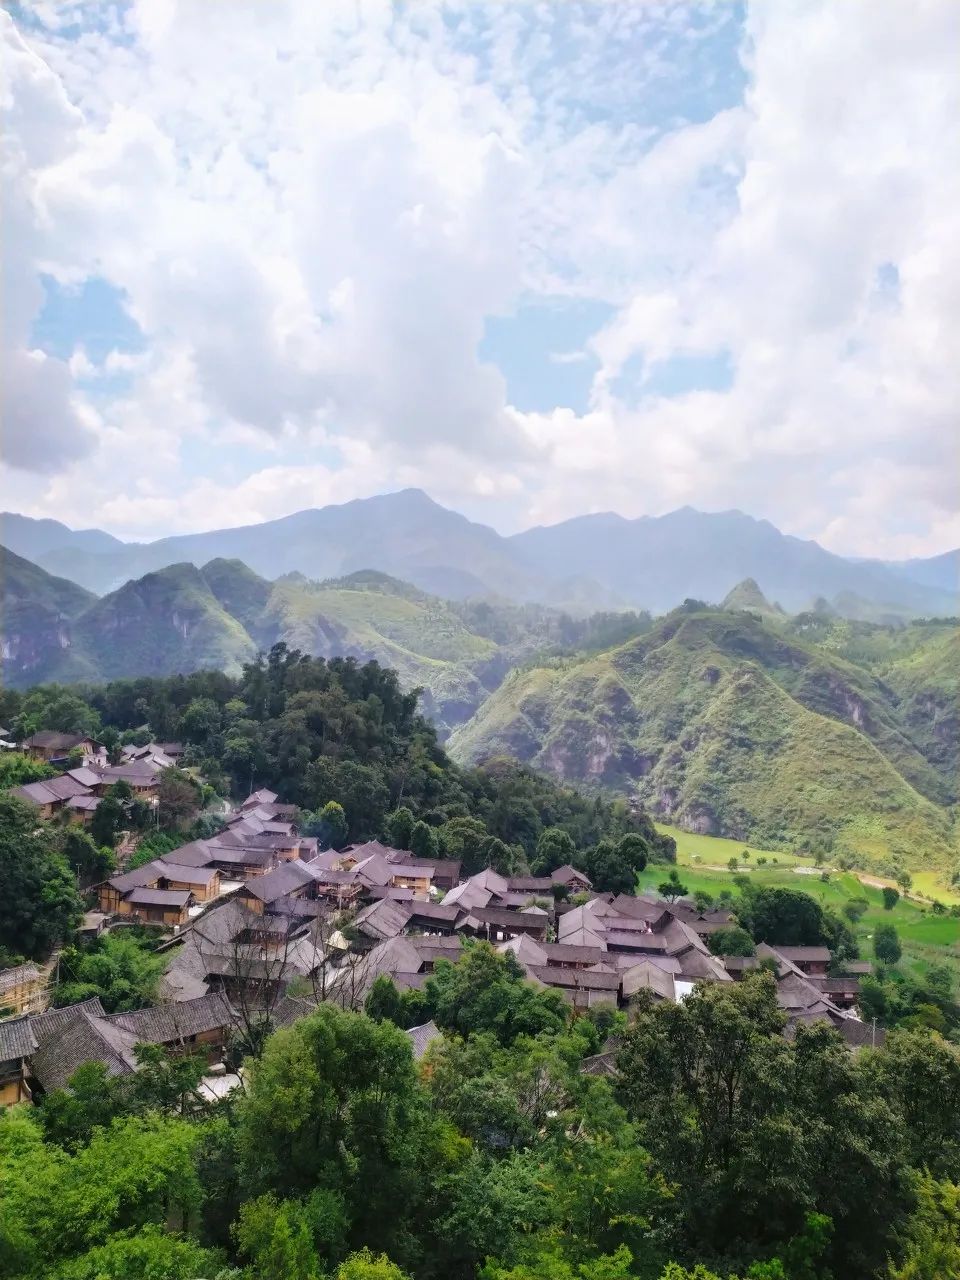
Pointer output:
x,y
181,619
814,733
318,730
496,1156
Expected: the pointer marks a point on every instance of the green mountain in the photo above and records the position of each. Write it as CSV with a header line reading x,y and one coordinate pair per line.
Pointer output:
x,y
748,597
726,725
38,612
166,622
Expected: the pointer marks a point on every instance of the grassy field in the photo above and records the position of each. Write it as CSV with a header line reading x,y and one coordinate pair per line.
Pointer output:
x,y
927,938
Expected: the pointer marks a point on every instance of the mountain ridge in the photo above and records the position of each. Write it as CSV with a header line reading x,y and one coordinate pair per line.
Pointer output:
x,y
650,562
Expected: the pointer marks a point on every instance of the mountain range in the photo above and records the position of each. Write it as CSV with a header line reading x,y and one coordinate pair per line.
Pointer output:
x,y
740,719
587,563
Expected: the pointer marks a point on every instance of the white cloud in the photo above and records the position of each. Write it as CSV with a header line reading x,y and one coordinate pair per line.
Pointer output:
x,y
312,209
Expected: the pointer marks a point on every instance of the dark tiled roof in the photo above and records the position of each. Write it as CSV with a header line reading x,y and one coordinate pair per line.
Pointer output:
x,y
561,953
808,954
17,1039
50,740
282,880
422,1037
187,875
138,878
520,920
169,1023
576,979
82,1038
159,897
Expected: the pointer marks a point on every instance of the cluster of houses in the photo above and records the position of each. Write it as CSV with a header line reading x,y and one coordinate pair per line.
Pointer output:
x,y
260,920
39,1052
78,791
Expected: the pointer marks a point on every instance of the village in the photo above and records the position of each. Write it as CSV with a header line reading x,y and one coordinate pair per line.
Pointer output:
x,y
259,925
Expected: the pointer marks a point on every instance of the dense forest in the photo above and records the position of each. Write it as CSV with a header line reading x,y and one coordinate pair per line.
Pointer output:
x,y
716,1148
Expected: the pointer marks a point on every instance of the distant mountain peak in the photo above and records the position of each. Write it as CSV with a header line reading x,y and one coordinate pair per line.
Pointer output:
x,y
747,595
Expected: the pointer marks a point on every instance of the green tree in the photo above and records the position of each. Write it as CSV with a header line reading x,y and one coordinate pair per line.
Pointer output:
x,y
147,1254
88,861
672,888
788,917
121,968
890,897
886,944
731,940
333,828
506,860
608,870
285,1239
178,798
39,903
399,828
855,909
463,839
931,1239
486,991
368,1266
200,721
106,822
918,1072
904,880
756,1132
555,848
423,841
334,1106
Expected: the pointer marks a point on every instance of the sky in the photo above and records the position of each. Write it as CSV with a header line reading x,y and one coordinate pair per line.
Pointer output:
x,y
538,259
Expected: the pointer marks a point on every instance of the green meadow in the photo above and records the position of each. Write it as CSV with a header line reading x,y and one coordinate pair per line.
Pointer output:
x,y
927,937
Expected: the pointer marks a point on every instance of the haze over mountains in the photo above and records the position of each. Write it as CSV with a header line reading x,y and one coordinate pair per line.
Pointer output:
x,y
586,563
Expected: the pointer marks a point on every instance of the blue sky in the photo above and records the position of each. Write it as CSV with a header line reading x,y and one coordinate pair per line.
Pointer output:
x,y
536,259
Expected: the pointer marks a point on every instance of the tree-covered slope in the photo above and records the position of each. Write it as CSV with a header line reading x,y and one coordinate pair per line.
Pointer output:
x,y
370,615
162,623
724,724
38,612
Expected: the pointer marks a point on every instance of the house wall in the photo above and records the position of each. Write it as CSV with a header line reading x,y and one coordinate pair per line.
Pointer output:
x,y
13,1086
420,885
26,997
109,901
202,893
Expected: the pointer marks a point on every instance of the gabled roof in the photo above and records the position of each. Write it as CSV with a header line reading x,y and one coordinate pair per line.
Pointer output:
x,y
83,804
169,1023
83,1037
185,874
469,894
820,955
524,949
568,872
159,897
374,869
287,878
198,853
17,1039
383,918
85,776
644,976
138,878
263,796
422,1037
51,740
17,975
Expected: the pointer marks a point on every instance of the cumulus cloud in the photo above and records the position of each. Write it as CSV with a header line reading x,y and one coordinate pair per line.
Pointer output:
x,y
310,211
